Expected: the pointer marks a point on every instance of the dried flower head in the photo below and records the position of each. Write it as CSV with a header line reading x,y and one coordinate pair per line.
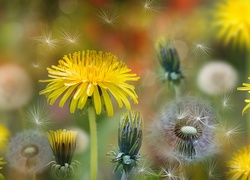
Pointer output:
x,y
169,59
232,19
217,77
184,131
90,77
29,151
129,141
15,86
239,164
63,145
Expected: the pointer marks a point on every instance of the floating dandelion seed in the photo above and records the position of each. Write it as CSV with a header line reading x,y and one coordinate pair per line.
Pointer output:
x,y
90,77
40,115
170,172
187,139
151,6
35,64
71,36
29,152
201,50
229,132
225,101
143,169
108,16
45,40
239,164
213,169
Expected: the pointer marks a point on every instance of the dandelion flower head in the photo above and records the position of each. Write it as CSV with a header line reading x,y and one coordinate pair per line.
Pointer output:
x,y
90,76
232,19
239,164
29,151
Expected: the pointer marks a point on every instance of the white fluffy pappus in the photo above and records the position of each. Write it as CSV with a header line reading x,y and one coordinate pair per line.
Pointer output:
x,y
216,78
184,131
29,152
16,86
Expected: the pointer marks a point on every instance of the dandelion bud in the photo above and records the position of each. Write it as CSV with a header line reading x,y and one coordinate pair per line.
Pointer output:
x,y
63,145
169,59
129,141
184,131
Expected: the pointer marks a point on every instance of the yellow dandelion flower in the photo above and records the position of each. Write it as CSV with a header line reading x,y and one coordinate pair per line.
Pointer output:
x,y
246,88
90,76
233,20
4,135
239,165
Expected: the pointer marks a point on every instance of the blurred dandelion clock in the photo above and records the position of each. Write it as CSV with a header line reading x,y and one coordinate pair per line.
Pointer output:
x,y
184,131
29,152
15,86
90,77
233,22
239,164
216,78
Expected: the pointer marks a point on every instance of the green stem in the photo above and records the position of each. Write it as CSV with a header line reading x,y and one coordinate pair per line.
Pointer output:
x,y
124,175
93,143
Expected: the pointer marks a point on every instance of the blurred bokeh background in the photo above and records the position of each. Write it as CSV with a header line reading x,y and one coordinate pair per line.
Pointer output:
x,y
35,34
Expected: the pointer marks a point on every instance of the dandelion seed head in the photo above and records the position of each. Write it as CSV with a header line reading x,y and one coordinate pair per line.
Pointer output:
x,y
29,152
185,139
16,87
216,78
